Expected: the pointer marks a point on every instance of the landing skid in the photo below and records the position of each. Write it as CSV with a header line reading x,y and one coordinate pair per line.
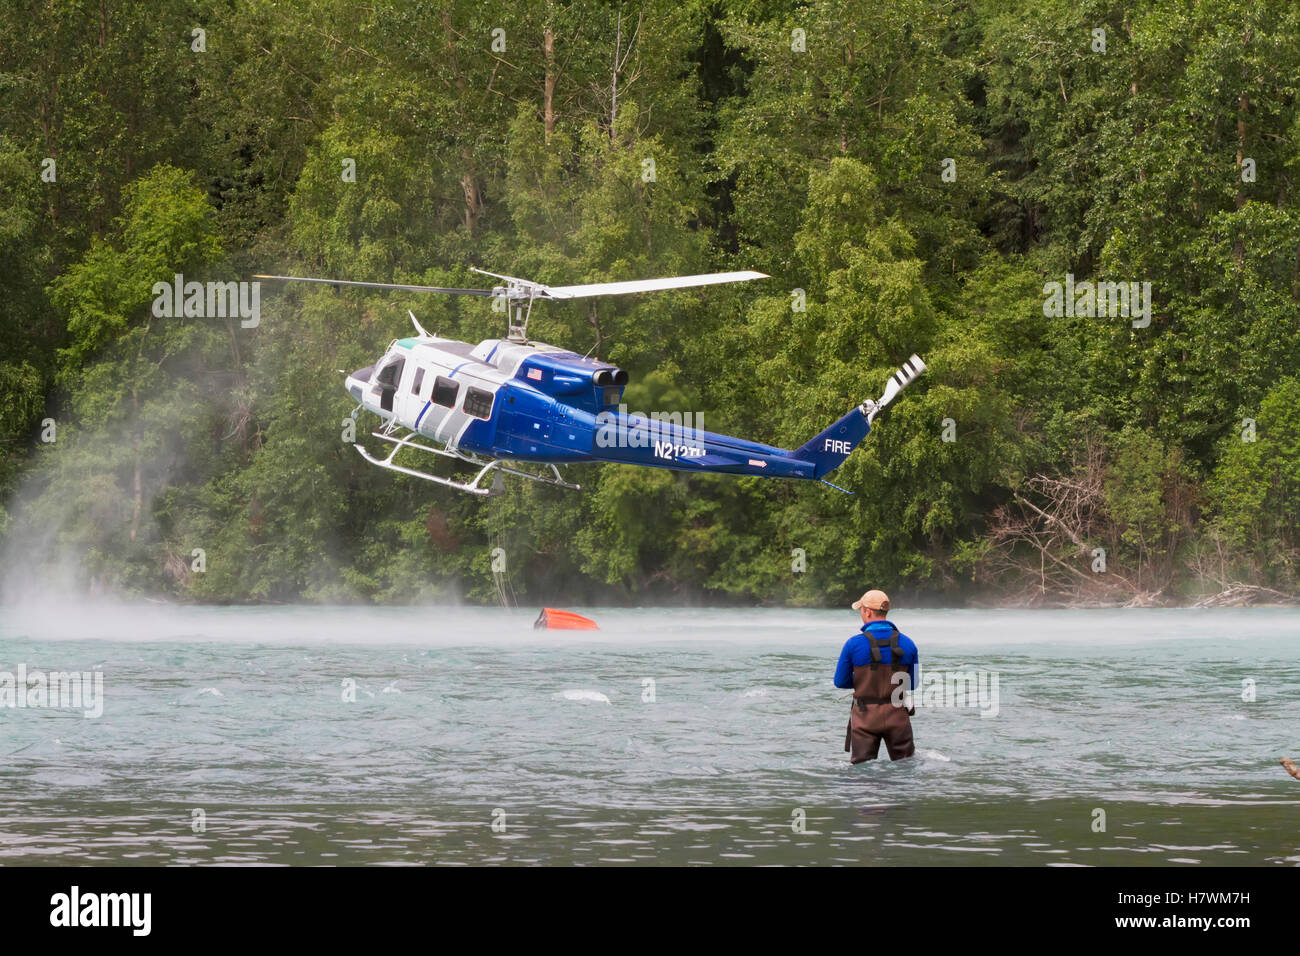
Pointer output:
x,y
475,486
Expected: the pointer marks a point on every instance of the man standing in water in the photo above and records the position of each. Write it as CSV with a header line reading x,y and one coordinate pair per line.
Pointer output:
x,y
868,664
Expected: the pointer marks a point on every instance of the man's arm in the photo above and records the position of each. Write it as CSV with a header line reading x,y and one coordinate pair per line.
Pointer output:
x,y
844,669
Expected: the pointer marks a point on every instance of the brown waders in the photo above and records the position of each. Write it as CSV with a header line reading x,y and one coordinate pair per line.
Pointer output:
x,y
874,714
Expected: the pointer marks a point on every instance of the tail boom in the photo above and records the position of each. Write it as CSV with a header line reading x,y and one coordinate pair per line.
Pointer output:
x,y
635,440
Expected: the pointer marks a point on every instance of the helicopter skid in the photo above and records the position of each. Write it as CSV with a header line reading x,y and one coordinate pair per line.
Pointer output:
x,y
474,486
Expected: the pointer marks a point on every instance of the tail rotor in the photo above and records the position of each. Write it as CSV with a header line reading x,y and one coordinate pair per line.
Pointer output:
x,y
907,373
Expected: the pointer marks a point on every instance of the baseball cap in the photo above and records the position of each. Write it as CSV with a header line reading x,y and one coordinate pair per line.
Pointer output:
x,y
874,600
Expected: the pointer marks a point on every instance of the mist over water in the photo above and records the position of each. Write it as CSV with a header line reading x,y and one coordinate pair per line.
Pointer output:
x,y
669,735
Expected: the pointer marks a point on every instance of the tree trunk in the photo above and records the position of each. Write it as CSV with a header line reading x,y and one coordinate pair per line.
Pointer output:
x,y
137,486
473,199
1243,106
468,182
613,93
548,96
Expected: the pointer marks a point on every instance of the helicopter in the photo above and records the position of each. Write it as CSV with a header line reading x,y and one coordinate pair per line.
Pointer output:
x,y
524,408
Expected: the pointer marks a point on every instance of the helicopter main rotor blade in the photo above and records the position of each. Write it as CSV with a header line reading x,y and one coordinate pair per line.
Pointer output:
x,y
515,279
517,290
645,285
381,285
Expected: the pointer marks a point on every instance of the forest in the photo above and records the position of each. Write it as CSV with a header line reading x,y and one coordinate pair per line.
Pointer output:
x,y
1081,214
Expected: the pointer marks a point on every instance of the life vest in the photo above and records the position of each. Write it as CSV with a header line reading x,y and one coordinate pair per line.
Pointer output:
x,y
873,683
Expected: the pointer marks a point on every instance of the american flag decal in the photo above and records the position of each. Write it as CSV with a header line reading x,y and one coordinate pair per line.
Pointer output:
x,y
535,374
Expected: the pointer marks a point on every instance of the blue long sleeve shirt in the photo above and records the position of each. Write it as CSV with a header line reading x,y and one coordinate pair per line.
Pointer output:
x,y
857,653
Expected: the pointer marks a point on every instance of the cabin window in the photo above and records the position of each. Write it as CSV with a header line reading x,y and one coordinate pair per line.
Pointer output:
x,y
387,381
445,391
478,402
417,381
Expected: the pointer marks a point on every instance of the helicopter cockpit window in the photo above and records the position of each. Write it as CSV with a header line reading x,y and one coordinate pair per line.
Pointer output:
x,y
387,381
478,402
390,373
417,382
445,391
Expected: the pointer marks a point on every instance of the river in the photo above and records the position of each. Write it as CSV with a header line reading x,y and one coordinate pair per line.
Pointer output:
x,y
292,735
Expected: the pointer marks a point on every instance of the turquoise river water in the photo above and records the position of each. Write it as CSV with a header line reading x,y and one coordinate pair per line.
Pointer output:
x,y
307,735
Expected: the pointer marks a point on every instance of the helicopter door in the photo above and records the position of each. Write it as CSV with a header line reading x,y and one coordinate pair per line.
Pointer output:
x,y
390,376
411,383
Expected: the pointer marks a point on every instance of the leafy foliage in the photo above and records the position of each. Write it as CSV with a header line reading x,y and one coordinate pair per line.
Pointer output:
x,y
912,175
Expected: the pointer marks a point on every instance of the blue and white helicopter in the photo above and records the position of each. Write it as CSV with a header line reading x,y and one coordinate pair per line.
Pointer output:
x,y
507,403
